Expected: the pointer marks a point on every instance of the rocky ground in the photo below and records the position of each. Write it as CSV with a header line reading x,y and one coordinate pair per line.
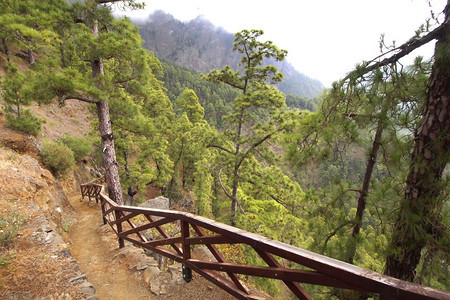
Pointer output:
x,y
37,264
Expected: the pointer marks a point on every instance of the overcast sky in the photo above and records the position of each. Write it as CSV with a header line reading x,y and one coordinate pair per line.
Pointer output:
x,y
325,39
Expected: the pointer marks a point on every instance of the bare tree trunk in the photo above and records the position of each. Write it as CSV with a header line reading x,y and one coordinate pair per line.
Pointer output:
x,y
132,190
419,211
109,153
351,248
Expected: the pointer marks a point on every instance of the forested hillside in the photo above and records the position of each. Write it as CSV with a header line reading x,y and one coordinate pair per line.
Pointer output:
x,y
200,46
215,98
359,175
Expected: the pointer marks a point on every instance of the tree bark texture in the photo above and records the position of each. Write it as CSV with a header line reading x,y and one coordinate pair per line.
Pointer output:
x,y
109,153
104,127
419,212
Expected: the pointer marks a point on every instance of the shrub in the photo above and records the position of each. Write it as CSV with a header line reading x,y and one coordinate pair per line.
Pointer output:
x,y
25,123
10,223
57,156
79,146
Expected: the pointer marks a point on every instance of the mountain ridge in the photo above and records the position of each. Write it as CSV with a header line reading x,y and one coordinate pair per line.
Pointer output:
x,y
200,45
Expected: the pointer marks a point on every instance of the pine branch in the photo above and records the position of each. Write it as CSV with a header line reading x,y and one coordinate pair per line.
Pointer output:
x,y
330,235
240,206
265,138
106,1
80,97
223,187
228,194
278,200
404,49
220,147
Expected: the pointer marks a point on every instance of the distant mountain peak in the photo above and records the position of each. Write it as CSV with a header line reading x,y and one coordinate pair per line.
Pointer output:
x,y
200,45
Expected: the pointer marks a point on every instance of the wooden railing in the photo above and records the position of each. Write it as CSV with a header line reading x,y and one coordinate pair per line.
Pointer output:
x,y
173,234
92,189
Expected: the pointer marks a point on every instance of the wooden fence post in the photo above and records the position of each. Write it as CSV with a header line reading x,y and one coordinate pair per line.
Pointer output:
x,y
102,205
187,272
119,229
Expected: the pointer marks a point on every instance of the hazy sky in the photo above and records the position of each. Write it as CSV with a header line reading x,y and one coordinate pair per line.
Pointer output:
x,y
325,39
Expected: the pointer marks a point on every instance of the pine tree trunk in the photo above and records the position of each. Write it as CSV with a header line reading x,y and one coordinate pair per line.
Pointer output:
x,y
5,49
109,153
104,127
18,104
31,57
351,248
234,199
419,210
129,199
235,187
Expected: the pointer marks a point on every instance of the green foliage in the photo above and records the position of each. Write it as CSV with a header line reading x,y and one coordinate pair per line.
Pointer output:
x,y
256,117
215,98
332,149
188,103
10,224
302,103
25,28
57,156
26,123
18,92
80,147
130,83
189,154
15,89
203,189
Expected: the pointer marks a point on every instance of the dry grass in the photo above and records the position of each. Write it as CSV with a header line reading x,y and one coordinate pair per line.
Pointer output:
x,y
30,269
31,272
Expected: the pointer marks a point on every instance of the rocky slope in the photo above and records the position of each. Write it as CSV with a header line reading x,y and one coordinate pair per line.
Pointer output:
x,y
38,263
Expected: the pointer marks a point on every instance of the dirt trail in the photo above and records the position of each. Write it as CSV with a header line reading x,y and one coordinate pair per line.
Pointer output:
x,y
95,247
96,257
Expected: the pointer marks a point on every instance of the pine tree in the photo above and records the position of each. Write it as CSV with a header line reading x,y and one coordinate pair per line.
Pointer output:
x,y
419,218
104,48
188,103
14,87
254,119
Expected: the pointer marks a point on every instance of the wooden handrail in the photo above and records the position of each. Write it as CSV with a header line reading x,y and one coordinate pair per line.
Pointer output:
x,y
195,230
92,189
